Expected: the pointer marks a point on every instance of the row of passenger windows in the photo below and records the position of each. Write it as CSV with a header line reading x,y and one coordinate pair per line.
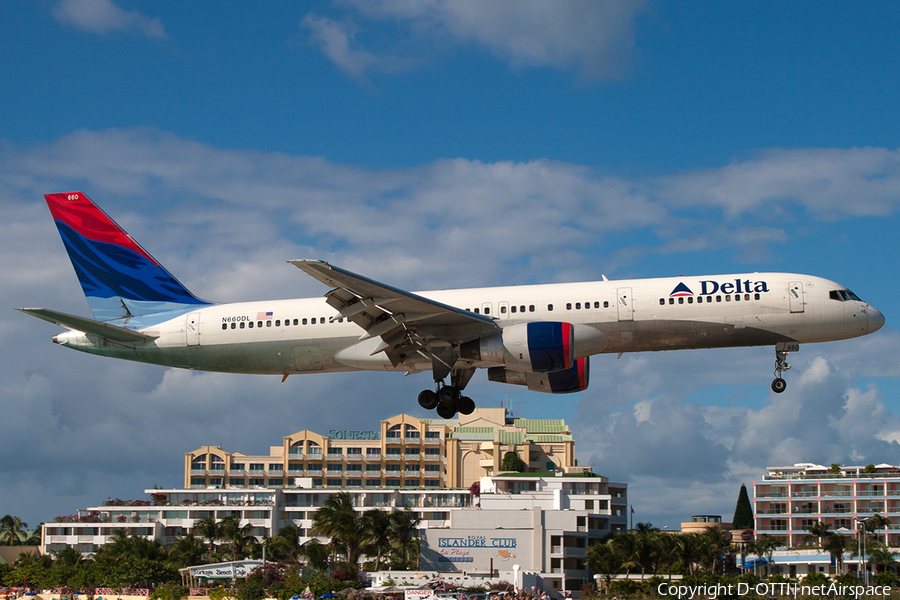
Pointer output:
x,y
287,323
521,308
700,299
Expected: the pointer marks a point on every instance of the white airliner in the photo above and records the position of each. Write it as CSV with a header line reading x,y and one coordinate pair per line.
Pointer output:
x,y
539,336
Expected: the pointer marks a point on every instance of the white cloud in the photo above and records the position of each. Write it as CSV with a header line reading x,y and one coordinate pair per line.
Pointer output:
x,y
594,38
101,16
224,222
831,183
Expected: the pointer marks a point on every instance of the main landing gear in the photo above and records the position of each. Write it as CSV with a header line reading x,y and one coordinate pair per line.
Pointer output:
x,y
781,365
448,399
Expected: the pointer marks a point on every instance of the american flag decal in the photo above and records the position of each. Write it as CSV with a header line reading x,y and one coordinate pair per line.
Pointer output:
x,y
260,316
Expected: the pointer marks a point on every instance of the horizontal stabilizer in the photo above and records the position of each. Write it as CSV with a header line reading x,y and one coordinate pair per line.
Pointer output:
x,y
104,330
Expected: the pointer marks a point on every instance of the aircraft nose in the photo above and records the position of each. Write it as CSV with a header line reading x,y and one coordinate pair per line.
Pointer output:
x,y
876,319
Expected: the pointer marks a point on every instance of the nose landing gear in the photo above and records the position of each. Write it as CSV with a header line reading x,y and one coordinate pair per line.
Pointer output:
x,y
781,364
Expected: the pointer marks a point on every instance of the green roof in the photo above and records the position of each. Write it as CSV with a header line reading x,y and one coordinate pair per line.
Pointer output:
x,y
512,437
549,438
541,425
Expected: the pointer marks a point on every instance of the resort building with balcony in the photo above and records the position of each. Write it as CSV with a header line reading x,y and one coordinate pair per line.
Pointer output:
x,y
548,518
403,452
789,499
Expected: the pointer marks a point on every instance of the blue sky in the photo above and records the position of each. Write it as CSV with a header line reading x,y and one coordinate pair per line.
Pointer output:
x,y
449,144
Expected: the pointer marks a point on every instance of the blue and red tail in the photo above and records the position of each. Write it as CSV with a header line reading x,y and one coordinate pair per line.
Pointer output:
x,y
119,278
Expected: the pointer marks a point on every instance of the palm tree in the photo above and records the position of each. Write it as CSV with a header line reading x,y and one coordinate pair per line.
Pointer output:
x,y
881,556
286,543
11,529
403,530
764,546
836,544
316,554
339,521
603,559
715,544
187,551
238,538
210,530
377,526
687,548
876,522
819,530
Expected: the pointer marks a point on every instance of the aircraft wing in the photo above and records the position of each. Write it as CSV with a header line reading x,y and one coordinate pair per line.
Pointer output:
x,y
405,321
104,330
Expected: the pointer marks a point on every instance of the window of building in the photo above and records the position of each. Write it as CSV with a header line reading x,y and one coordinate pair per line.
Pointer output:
x,y
276,482
334,482
376,468
237,481
375,451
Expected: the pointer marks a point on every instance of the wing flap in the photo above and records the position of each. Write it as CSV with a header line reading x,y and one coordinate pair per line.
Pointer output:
x,y
104,330
406,322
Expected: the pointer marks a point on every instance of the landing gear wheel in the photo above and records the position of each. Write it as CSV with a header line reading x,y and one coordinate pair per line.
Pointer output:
x,y
779,385
449,396
446,412
428,399
465,405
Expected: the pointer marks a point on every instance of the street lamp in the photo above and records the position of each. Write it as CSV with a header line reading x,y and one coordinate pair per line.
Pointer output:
x,y
861,545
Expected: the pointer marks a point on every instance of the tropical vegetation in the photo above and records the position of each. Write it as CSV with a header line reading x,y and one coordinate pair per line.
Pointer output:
x,y
378,537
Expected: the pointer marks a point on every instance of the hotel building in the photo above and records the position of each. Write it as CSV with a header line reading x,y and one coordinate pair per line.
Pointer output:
x,y
404,452
790,499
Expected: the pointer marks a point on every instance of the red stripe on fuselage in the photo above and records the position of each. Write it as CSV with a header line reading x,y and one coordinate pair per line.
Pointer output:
x,y
78,212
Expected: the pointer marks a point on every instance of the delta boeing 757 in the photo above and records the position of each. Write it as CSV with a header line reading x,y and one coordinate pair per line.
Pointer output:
x,y
540,336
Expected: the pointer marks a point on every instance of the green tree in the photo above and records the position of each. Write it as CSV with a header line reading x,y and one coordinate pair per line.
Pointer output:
x,y
764,546
836,544
339,521
187,551
12,530
376,524
876,522
239,538
286,543
512,463
403,530
818,530
881,558
604,559
688,549
210,530
743,511
316,554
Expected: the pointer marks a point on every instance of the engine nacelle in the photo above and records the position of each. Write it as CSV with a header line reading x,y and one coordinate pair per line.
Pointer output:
x,y
536,347
574,379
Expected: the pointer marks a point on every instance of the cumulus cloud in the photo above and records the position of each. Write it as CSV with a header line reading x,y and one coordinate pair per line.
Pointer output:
x,y
101,16
831,183
693,424
702,452
594,38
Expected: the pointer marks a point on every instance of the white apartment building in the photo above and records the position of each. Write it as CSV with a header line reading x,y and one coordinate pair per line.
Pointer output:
x,y
542,522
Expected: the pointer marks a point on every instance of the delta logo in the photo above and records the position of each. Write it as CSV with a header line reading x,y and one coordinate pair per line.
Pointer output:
x,y
709,287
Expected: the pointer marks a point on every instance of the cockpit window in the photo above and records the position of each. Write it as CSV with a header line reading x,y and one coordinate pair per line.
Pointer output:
x,y
843,295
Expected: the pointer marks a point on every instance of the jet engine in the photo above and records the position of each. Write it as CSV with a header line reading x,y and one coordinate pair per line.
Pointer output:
x,y
536,347
574,379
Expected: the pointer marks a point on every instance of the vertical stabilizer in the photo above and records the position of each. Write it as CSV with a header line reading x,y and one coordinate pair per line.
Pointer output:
x,y
119,278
